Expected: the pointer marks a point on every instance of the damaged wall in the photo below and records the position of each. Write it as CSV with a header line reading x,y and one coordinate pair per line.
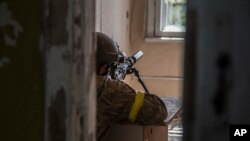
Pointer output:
x,y
21,71
47,74
70,73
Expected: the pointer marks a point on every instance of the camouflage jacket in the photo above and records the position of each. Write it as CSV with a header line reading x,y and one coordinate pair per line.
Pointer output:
x,y
115,99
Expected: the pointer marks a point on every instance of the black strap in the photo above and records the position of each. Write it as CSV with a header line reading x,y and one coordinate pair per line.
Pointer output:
x,y
136,72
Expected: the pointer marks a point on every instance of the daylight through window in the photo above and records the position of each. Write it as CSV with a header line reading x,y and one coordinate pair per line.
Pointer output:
x,y
166,18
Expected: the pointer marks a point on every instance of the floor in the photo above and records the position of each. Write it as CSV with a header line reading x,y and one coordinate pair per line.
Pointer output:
x,y
175,128
175,134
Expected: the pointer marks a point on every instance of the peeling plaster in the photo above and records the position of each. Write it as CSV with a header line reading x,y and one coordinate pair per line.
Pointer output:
x,y
6,19
4,61
57,113
58,77
58,70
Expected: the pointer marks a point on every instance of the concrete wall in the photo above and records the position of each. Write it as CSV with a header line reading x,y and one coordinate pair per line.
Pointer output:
x,y
69,70
161,66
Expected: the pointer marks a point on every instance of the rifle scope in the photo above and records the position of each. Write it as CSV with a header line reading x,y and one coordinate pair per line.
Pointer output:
x,y
134,58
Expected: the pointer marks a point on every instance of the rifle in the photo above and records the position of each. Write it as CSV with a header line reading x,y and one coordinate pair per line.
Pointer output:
x,y
120,70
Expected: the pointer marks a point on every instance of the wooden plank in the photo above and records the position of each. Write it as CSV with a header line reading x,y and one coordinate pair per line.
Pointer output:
x,y
155,133
125,133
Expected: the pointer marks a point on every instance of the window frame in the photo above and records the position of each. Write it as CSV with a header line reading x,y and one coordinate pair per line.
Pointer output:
x,y
153,22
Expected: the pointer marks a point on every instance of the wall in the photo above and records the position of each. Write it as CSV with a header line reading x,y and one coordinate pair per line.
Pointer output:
x,y
217,67
113,18
47,77
21,71
69,70
161,67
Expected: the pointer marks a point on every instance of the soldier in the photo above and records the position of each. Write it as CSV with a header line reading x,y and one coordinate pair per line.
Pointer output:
x,y
116,101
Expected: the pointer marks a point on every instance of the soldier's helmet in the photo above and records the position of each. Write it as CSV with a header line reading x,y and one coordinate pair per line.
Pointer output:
x,y
107,49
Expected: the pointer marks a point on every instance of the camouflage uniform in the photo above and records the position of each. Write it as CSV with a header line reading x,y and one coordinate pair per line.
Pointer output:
x,y
115,99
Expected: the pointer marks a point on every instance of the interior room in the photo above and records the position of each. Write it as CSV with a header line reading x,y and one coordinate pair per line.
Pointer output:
x,y
161,67
194,59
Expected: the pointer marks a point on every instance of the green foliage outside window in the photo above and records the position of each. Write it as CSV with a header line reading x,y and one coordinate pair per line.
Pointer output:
x,y
175,15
